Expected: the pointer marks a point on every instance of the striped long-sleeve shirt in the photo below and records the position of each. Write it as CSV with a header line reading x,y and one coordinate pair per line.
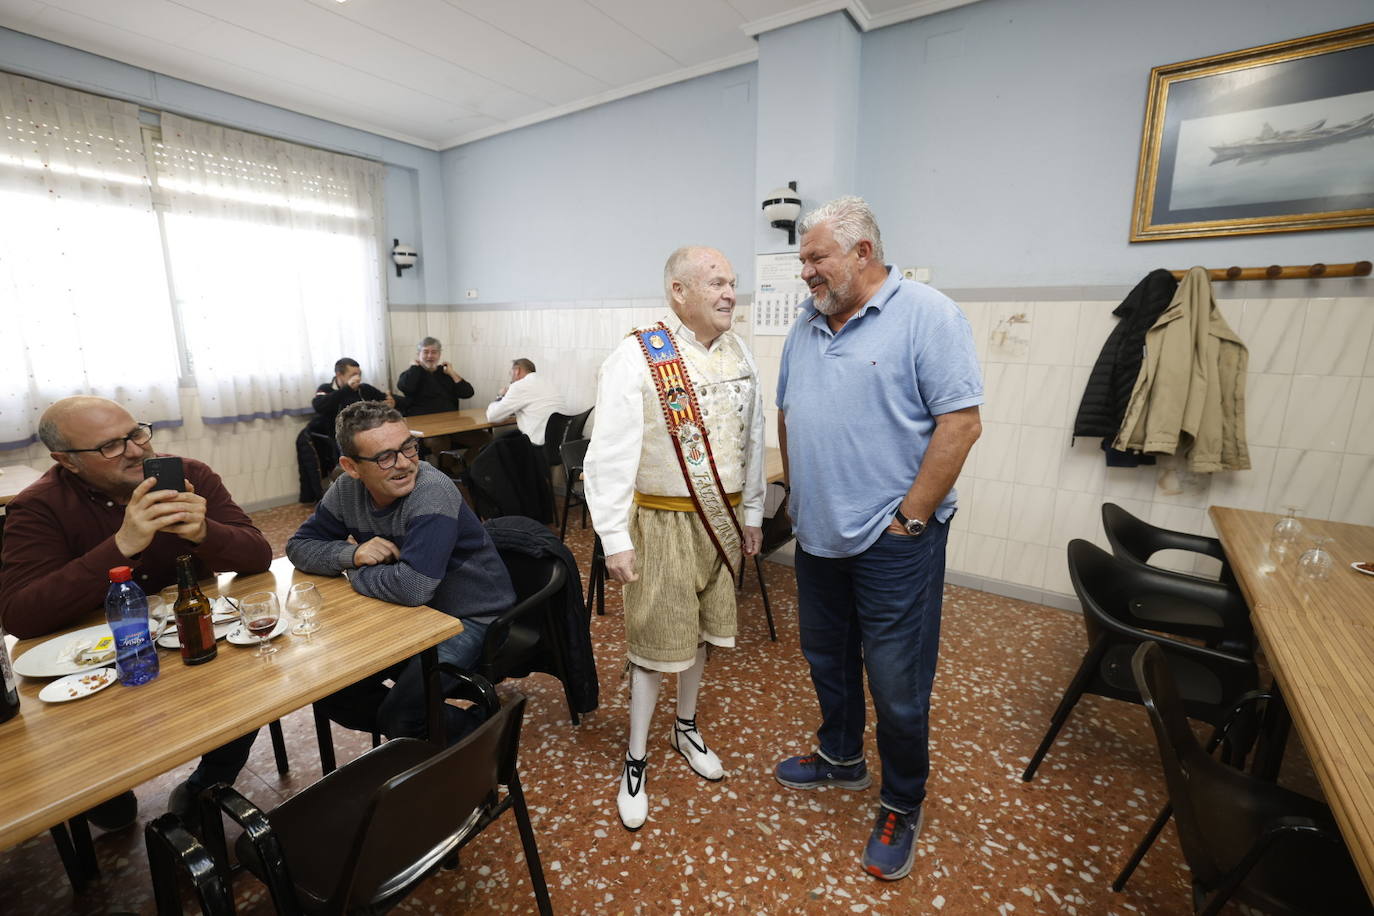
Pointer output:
x,y
447,559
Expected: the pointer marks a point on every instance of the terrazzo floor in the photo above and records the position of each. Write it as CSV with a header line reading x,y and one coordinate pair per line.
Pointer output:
x,y
990,844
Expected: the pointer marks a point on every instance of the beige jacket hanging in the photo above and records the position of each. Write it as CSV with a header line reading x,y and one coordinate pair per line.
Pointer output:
x,y
1189,397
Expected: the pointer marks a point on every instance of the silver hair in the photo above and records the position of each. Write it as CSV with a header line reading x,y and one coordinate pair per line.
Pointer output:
x,y
676,267
51,436
851,221
429,342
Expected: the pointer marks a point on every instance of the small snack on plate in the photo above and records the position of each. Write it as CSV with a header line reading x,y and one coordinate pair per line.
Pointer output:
x,y
102,651
1365,568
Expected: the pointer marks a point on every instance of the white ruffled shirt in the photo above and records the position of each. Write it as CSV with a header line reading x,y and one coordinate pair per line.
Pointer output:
x,y
631,450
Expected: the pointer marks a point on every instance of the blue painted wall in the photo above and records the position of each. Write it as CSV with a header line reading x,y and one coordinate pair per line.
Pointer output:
x,y
999,141
590,205
413,185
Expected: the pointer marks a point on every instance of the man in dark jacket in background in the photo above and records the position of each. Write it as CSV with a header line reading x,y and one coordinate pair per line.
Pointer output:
x,y
430,385
316,453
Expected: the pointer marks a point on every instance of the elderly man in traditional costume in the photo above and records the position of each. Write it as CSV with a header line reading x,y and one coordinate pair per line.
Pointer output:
x,y
675,483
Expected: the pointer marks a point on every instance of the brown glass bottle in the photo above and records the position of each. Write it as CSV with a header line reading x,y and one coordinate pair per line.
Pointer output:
x,y
194,629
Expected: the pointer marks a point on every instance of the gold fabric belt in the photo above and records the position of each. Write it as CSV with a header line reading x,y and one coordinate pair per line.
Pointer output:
x,y
675,503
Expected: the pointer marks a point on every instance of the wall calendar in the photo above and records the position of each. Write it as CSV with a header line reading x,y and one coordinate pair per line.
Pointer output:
x,y
780,292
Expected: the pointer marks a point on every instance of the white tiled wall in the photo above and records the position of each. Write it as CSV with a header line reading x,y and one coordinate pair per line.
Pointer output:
x,y
1026,490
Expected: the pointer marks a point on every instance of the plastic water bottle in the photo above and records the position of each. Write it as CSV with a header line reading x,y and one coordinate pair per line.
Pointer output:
x,y
126,610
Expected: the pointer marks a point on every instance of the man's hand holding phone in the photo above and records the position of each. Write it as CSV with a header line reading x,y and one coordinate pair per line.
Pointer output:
x,y
159,504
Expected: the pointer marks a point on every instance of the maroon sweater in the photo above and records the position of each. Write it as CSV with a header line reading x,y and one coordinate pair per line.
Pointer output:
x,y
59,549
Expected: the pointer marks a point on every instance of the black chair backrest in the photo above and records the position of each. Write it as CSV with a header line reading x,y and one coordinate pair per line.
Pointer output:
x,y
1199,786
509,477
530,575
419,817
574,454
576,424
555,431
777,530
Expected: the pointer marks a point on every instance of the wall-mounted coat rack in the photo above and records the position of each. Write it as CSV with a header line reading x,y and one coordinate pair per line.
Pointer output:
x,y
1275,272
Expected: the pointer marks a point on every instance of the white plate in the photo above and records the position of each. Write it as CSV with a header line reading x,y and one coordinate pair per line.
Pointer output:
x,y
76,686
44,659
1354,566
240,636
169,639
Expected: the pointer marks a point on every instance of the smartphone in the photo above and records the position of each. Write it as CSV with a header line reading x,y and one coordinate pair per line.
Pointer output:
x,y
169,473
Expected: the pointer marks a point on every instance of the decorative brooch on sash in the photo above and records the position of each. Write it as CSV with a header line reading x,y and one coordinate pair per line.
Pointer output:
x,y
693,447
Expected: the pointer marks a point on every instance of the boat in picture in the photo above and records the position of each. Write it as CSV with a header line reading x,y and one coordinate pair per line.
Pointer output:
x,y
1272,142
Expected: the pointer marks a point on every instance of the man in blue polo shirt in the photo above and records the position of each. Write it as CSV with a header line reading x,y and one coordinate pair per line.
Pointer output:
x,y
878,400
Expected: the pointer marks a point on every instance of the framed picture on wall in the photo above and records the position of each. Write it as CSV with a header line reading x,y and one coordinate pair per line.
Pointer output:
x,y
1278,138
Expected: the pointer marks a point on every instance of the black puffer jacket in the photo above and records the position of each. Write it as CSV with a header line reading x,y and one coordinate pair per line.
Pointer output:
x,y
1108,391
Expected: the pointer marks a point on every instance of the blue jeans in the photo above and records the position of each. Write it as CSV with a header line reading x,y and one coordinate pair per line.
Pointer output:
x,y
878,611
399,711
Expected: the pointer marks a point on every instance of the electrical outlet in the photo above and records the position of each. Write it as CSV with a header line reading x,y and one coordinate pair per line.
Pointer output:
x,y
472,294
919,274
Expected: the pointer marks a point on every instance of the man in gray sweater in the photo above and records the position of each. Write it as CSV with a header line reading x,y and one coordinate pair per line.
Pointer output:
x,y
399,530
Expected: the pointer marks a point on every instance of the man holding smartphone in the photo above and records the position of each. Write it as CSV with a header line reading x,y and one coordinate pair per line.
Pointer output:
x,y
93,510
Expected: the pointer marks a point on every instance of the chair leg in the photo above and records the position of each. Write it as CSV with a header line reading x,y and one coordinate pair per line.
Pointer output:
x,y
1145,843
279,746
567,500
326,741
522,818
763,590
1071,697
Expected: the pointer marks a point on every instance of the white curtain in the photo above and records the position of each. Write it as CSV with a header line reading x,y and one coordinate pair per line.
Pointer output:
x,y
84,304
276,264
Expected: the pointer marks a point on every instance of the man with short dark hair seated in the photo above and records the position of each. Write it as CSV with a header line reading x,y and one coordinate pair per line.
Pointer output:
x,y
398,528
316,453
93,511
530,398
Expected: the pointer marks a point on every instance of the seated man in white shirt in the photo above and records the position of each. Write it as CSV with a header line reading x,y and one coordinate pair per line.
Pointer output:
x,y
530,398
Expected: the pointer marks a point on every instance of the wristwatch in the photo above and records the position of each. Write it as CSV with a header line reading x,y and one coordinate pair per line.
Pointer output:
x,y
913,526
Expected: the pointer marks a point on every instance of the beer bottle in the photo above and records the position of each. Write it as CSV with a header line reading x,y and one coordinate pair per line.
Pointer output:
x,y
194,629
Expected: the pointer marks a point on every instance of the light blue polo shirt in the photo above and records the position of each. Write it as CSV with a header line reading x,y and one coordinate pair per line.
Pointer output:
x,y
861,405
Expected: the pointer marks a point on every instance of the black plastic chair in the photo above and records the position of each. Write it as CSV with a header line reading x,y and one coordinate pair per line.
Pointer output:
x,y
577,425
173,848
1213,610
1212,681
574,455
1242,837
527,638
363,837
555,434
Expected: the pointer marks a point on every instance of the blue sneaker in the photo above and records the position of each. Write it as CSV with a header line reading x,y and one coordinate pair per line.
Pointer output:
x,y
892,846
815,772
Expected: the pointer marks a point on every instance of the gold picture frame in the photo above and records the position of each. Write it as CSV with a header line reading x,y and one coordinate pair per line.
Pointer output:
x,y
1278,138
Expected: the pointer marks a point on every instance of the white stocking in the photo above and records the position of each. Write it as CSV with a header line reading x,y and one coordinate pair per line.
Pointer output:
x,y
689,684
643,696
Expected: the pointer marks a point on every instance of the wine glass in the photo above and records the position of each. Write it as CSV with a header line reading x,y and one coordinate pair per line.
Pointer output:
x,y
159,612
1316,563
1283,540
260,613
304,601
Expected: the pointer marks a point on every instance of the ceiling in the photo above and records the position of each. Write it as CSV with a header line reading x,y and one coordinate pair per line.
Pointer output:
x,y
436,73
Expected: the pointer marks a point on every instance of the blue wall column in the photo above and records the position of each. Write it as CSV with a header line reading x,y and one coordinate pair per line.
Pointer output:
x,y
808,115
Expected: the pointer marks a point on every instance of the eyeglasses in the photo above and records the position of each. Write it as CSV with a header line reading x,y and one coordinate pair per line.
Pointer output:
x,y
387,460
142,435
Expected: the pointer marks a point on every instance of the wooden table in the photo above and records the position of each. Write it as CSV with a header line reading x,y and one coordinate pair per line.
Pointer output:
x,y
60,759
473,419
1319,639
15,478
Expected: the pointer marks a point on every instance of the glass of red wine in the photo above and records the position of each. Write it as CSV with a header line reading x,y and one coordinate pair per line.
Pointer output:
x,y
260,613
